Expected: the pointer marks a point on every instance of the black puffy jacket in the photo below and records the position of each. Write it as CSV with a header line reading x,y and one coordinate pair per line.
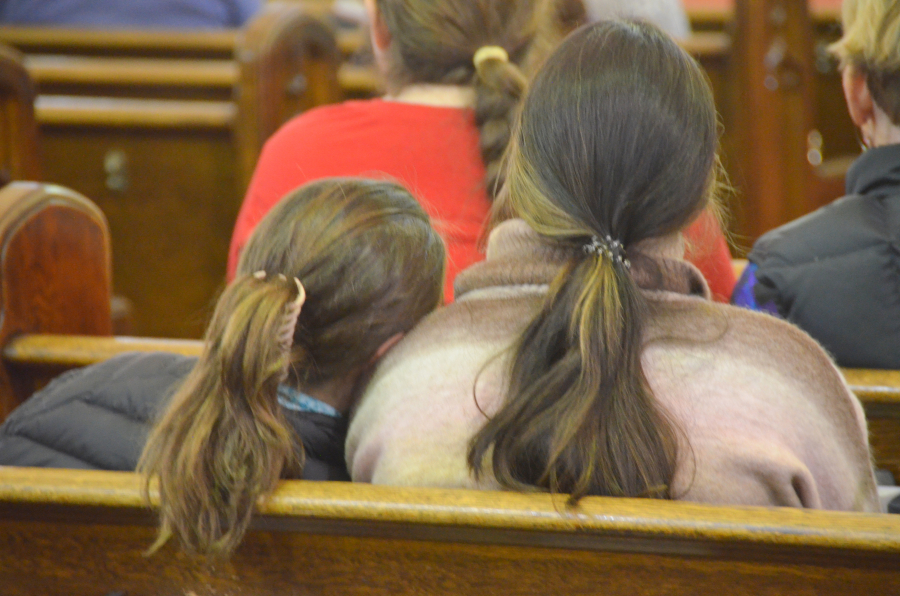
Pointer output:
x,y
99,417
836,272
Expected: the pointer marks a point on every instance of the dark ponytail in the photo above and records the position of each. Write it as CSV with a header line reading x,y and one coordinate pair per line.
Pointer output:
x,y
615,150
580,417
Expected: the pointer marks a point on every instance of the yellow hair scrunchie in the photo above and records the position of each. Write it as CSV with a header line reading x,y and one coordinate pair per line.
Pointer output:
x,y
489,53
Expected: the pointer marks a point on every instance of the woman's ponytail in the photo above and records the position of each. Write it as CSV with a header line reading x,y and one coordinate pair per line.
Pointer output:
x,y
224,442
580,417
499,86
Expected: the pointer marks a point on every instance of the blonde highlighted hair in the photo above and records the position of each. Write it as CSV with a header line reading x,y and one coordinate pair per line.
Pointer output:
x,y
871,45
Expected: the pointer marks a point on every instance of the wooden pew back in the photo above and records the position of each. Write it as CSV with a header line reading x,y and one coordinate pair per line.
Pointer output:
x,y
54,271
163,130
18,129
84,533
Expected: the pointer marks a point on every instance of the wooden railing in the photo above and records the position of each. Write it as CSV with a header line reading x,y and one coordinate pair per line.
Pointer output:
x,y
85,533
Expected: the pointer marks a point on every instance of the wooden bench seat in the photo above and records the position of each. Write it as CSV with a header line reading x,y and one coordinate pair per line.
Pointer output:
x,y
84,532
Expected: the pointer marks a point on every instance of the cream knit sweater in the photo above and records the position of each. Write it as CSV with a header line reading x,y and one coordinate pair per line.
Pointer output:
x,y
768,419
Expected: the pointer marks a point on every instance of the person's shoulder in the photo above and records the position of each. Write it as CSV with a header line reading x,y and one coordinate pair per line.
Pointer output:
x,y
822,233
493,317
739,338
316,126
116,380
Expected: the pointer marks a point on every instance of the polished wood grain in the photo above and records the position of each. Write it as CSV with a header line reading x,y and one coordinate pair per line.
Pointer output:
x,y
72,351
162,130
879,391
93,70
54,272
288,62
120,112
19,157
83,532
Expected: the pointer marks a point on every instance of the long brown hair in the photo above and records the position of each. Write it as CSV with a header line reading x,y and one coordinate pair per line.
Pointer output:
x,y
372,266
617,139
435,41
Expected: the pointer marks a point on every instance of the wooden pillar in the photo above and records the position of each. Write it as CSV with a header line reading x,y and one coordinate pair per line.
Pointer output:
x,y
774,65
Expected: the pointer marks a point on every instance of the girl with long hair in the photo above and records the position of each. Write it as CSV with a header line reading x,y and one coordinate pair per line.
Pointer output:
x,y
584,355
329,281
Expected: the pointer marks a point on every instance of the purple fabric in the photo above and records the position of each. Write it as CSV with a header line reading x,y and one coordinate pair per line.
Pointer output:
x,y
144,14
743,294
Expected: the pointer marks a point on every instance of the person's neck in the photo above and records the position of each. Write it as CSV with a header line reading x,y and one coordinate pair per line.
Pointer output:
x,y
340,394
428,94
885,131
664,247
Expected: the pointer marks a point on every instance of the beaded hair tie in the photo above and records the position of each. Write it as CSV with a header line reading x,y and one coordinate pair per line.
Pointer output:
x,y
609,248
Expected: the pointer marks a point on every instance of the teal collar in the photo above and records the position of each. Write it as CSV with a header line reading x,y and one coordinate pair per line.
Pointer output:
x,y
293,399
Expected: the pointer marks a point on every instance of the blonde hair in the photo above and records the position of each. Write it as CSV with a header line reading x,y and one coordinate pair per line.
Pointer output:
x,y
871,46
372,266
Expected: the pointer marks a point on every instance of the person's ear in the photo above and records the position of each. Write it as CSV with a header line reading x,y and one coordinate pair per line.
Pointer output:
x,y
381,36
860,104
386,346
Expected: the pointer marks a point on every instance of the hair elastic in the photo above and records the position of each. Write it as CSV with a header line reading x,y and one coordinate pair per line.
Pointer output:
x,y
285,335
489,53
291,315
609,248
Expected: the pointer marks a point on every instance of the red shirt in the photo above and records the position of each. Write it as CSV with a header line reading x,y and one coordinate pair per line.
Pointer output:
x,y
433,151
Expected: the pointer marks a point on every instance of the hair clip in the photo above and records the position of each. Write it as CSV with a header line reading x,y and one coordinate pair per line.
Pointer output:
x,y
285,336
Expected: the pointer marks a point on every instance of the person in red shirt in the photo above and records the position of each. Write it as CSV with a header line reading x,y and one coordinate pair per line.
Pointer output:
x,y
454,73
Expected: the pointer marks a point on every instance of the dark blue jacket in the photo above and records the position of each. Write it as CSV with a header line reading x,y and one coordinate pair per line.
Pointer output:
x,y
836,272
99,417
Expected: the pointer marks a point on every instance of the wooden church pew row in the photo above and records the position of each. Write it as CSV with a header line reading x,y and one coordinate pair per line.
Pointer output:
x,y
19,159
54,307
166,139
85,533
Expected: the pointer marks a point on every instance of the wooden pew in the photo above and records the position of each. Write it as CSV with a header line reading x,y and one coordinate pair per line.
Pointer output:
x,y
54,307
85,532
18,129
163,130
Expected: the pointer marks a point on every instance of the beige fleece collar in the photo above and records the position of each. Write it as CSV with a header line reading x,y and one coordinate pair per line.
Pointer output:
x,y
519,256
